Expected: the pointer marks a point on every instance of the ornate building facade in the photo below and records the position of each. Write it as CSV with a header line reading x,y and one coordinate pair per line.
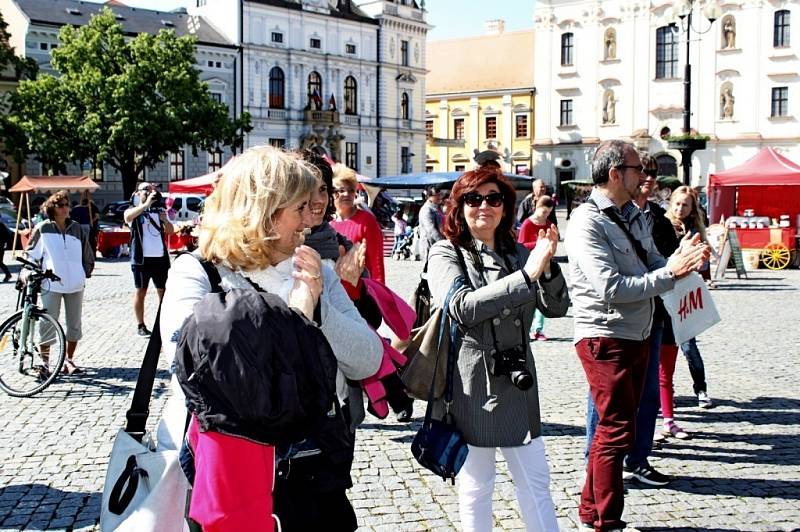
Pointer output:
x,y
480,96
614,69
346,75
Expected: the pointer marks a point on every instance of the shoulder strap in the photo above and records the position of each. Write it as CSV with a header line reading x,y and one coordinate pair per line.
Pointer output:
x,y
140,404
637,246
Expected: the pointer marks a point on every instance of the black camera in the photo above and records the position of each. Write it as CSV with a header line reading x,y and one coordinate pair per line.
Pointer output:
x,y
158,204
511,363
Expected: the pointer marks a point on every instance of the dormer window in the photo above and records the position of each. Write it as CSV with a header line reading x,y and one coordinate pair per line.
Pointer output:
x,y
73,11
118,16
168,23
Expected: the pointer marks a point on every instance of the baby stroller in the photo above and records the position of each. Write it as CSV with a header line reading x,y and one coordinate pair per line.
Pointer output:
x,y
402,245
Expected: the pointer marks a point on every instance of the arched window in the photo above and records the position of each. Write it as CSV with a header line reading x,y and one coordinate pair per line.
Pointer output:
x,y
276,88
315,86
404,106
350,96
567,42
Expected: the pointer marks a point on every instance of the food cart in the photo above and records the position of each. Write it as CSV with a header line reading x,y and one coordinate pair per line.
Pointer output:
x,y
50,183
761,202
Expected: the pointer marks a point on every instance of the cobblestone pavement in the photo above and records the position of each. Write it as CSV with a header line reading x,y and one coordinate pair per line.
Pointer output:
x,y
740,471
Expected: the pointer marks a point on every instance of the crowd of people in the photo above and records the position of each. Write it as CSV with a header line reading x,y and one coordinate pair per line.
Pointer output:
x,y
284,229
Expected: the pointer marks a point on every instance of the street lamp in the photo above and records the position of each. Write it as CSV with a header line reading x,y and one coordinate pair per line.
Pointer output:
x,y
680,22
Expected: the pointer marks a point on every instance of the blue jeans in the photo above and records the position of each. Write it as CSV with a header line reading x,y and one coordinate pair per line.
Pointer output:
x,y
646,415
696,367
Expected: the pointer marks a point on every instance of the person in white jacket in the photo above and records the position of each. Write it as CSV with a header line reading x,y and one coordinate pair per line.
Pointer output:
x,y
63,247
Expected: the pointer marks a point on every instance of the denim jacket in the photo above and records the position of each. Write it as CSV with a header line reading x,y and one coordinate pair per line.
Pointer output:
x,y
611,289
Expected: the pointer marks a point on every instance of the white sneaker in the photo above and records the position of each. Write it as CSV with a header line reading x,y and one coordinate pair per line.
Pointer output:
x,y
704,401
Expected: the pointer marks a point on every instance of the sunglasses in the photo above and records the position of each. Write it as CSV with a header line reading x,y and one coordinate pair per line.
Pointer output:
x,y
62,204
473,199
651,172
638,168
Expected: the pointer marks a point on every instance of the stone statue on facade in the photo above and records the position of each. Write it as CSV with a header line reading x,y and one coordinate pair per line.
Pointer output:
x,y
609,108
334,143
311,139
726,101
610,44
729,32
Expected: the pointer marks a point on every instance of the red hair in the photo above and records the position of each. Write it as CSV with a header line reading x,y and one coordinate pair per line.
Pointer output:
x,y
455,226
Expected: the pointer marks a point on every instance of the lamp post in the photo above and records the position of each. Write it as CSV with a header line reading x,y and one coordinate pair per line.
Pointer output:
x,y
681,24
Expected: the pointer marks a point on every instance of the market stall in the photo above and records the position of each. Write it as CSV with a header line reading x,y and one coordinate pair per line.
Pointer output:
x,y
35,184
760,201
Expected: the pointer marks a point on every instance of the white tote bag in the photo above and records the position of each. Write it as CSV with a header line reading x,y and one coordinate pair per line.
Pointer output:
x,y
144,490
691,307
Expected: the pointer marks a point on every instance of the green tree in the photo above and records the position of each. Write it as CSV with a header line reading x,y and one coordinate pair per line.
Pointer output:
x,y
11,65
126,102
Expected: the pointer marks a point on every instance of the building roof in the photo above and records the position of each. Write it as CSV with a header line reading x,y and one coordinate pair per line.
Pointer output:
x,y
487,62
345,9
134,20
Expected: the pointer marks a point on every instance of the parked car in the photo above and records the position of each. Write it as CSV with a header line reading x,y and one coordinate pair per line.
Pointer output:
x,y
186,206
113,213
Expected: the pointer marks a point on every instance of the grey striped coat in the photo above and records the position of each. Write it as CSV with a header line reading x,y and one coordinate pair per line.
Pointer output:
x,y
490,411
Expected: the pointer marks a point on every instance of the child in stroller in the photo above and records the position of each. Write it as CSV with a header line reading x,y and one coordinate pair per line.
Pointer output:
x,y
402,237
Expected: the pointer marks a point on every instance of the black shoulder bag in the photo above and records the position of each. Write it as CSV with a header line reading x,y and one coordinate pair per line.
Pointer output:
x,y
438,445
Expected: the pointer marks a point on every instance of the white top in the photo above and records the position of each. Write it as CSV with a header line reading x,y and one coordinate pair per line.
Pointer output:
x,y
152,243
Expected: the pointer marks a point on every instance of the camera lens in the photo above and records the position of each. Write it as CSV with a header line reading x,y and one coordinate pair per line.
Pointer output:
x,y
521,379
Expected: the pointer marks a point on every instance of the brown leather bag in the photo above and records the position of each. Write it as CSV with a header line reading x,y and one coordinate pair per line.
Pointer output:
x,y
421,349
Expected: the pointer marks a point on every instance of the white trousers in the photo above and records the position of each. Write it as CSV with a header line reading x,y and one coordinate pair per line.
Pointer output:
x,y
531,474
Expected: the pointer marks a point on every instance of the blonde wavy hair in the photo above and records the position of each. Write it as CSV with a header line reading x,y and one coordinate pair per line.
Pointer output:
x,y
695,217
343,175
237,227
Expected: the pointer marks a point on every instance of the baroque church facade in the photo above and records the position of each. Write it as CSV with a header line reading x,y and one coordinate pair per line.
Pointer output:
x,y
614,69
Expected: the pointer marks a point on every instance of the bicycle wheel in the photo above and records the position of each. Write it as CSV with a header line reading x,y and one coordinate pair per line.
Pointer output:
x,y
23,370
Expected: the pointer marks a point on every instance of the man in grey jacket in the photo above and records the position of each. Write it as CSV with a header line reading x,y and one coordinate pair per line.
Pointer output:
x,y
430,221
615,271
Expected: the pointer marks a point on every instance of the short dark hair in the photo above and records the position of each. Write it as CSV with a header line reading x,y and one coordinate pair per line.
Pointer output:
x,y
609,154
431,191
545,201
455,226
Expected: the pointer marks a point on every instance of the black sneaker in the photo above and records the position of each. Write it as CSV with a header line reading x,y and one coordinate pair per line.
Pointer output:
x,y
404,416
646,475
142,330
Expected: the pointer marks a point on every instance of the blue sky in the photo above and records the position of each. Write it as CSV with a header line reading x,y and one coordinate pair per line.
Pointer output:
x,y
452,18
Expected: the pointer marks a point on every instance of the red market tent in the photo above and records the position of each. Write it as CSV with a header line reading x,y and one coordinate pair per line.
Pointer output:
x,y
768,183
197,185
203,184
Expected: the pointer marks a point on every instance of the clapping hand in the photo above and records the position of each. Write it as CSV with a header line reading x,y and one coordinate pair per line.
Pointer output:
x,y
307,287
690,256
545,249
350,265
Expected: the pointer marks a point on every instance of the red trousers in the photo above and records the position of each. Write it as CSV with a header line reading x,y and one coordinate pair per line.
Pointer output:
x,y
615,370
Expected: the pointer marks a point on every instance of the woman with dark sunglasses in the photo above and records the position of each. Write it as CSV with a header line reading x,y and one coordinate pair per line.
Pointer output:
x,y
495,397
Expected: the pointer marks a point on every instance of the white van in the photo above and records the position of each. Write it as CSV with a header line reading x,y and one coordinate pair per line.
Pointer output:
x,y
187,206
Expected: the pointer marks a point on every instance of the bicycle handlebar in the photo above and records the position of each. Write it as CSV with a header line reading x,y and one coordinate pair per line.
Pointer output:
x,y
44,274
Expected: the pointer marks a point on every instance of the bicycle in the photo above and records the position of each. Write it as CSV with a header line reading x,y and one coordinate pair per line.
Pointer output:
x,y
25,368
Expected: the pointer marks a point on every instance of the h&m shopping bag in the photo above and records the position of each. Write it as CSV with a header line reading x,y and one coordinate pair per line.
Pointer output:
x,y
691,307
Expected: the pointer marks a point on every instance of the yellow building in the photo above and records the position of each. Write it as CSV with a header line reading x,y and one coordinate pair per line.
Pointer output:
x,y
480,95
